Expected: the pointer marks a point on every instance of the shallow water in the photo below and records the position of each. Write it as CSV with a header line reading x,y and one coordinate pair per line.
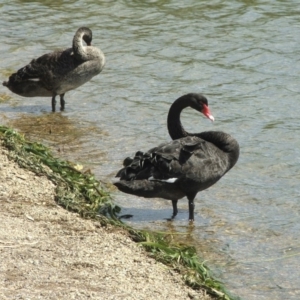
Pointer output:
x,y
244,56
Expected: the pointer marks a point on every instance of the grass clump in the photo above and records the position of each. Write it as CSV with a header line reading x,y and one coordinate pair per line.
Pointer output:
x,y
76,191
181,258
82,193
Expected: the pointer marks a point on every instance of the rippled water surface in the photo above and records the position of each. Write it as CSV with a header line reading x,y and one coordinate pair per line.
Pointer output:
x,y
243,55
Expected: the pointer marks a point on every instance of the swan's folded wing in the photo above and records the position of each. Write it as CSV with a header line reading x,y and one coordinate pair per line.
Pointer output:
x,y
169,159
189,158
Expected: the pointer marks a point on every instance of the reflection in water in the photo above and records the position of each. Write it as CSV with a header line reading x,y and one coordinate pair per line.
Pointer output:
x,y
67,136
243,55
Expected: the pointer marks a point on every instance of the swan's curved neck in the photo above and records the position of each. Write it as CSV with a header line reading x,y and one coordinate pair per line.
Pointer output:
x,y
221,140
175,127
78,48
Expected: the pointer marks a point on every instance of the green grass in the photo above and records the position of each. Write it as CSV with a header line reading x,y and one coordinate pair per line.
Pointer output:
x,y
83,193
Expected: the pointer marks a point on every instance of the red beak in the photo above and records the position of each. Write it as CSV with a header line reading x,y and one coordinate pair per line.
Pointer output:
x,y
207,113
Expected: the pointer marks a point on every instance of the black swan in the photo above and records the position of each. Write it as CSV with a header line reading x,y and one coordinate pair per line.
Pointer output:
x,y
191,163
60,71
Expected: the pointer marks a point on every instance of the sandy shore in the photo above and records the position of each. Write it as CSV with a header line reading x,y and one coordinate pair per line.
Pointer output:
x,y
49,253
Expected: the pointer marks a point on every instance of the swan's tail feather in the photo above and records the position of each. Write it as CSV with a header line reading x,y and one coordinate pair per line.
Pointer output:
x,y
143,188
28,88
150,189
26,73
26,82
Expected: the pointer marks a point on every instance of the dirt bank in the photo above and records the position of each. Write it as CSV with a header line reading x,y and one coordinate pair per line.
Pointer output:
x,y
49,253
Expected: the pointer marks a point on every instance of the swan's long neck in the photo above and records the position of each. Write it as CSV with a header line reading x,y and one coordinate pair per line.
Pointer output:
x,y
78,47
221,140
175,127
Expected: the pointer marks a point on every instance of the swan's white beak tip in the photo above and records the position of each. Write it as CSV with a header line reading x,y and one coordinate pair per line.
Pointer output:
x,y
211,117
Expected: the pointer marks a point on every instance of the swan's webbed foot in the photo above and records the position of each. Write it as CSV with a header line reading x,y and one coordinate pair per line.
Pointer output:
x,y
62,102
53,102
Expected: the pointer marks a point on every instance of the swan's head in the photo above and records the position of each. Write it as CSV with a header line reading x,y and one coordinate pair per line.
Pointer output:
x,y
86,35
200,103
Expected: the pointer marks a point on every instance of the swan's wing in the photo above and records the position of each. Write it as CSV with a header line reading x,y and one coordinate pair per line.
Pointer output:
x,y
190,159
187,159
46,68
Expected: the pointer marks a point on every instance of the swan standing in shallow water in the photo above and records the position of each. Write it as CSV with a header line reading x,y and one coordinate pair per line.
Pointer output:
x,y
60,71
192,162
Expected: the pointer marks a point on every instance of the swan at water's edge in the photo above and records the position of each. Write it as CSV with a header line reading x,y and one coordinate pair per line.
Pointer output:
x,y
60,71
191,163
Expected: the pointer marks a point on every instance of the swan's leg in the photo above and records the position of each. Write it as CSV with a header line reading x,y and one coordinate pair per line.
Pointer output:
x,y
62,102
175,209
191,207
53,103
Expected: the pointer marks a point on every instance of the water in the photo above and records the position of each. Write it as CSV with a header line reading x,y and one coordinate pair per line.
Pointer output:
x,y
244,56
